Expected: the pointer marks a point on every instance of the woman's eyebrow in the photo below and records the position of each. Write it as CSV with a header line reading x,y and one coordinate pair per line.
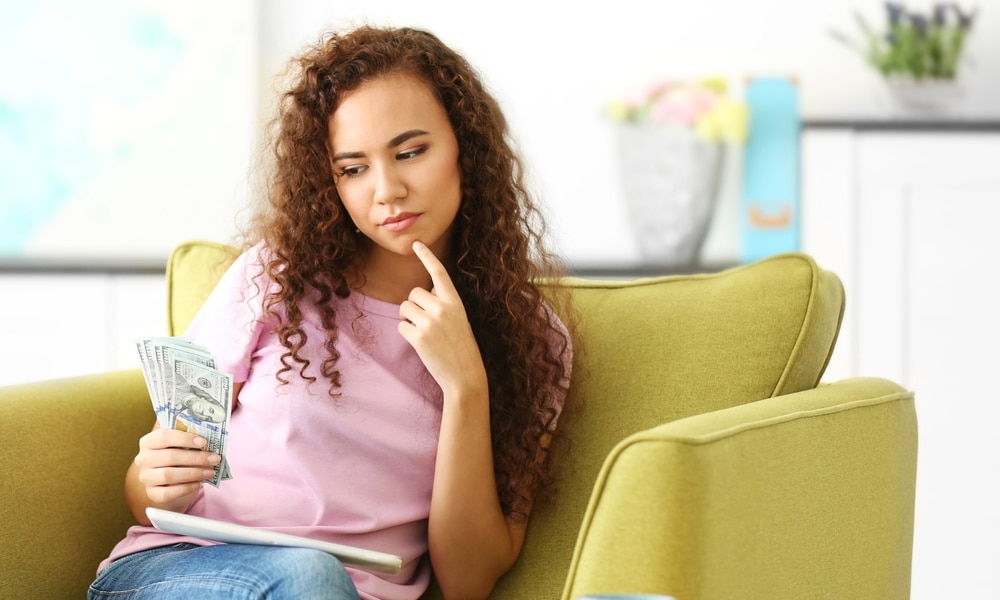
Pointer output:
x,y
404,137
396,141
346,155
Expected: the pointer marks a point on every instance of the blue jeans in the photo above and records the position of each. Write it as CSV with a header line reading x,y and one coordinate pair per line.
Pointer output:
x,y
230,571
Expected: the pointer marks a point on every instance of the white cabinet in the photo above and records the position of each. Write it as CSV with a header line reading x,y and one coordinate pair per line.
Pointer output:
x,y
910,220
64,324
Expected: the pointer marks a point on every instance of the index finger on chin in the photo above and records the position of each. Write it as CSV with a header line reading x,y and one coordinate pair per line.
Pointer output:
x,y
439,274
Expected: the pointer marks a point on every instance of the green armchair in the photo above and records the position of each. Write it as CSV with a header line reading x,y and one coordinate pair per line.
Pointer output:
x,y
704,458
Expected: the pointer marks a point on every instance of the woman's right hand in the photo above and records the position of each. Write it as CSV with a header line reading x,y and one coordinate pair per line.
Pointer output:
x,y
169,469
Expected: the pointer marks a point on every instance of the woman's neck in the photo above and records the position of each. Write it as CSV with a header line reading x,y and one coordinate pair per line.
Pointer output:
x,y
391,277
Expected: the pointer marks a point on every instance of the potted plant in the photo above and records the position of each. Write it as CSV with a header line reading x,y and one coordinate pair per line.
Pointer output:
x,y
918,54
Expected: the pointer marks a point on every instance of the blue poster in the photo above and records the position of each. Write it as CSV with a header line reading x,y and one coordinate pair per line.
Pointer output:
x,y
769,211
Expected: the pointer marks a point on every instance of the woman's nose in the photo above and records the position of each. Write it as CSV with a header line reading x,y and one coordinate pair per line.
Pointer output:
x,y
388,186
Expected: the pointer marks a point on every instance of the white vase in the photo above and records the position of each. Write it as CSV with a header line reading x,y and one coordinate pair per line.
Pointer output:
x,y
670,179
924,95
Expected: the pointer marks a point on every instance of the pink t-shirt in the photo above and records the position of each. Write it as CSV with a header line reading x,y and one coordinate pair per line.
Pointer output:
x,y
354,470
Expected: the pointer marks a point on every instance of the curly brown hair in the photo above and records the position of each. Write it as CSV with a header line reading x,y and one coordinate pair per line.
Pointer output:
x,y
497,254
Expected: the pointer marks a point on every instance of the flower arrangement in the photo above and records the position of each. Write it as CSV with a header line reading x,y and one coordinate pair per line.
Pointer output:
x,y
702,105
915,45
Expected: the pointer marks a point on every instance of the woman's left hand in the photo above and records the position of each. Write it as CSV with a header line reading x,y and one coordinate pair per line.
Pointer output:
x,y
436,325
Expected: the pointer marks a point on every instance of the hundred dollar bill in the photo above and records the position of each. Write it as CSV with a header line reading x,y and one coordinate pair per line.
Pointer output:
x,y
189,393
169,351
202,399
157,355
148,360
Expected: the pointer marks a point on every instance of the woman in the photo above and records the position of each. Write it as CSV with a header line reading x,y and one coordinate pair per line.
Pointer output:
x,y
398,373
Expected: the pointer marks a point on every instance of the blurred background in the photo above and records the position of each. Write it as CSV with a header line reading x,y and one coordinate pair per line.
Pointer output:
x,y
130,126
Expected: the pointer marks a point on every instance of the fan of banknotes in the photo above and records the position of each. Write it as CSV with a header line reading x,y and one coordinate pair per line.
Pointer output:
x,y
189,393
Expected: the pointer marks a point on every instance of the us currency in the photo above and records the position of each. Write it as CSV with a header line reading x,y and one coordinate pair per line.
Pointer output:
x,y
157,354
189,393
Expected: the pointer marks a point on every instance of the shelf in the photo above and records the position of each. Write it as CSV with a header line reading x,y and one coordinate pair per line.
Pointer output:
x,y
62,266
628,271
907,124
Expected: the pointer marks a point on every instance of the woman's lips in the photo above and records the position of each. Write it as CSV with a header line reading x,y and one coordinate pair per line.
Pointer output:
x,y
400,222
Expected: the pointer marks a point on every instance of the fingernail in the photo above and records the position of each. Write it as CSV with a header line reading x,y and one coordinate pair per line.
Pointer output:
x,y
207,474
200,442
214,459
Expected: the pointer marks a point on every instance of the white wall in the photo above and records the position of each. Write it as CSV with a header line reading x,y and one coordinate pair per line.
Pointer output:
x,y
553,67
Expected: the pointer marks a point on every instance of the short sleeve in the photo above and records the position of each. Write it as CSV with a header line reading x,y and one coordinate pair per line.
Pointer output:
x,y
231,321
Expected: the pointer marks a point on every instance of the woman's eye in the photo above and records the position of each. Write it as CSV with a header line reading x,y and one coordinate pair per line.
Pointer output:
x,y
352,171
408,154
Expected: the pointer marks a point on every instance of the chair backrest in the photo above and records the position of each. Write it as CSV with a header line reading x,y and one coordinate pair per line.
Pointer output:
x,y
648,351
192,272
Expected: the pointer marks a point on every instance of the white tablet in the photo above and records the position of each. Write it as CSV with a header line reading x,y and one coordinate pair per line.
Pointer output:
x,y
220,531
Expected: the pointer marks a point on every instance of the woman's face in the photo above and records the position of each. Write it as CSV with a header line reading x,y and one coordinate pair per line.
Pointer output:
x,y
394,156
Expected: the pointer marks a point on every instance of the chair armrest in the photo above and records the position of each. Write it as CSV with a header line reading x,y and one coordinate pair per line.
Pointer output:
x,y
806,495
65,447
